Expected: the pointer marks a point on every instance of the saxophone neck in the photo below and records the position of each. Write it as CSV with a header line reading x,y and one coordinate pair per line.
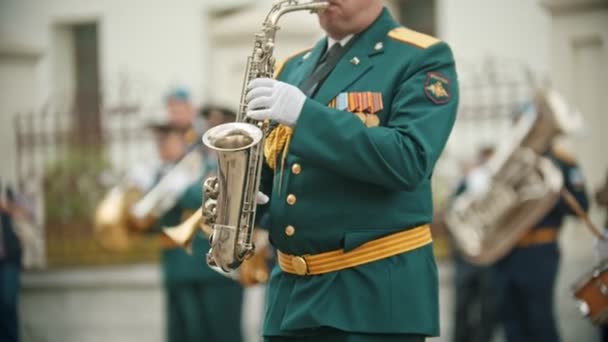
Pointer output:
x,y
281,7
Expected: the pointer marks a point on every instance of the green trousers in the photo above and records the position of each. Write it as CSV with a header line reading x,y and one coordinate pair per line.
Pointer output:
x,y
200,312
332,335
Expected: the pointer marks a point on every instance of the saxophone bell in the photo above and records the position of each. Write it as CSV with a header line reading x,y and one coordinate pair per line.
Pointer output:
x,y
236,145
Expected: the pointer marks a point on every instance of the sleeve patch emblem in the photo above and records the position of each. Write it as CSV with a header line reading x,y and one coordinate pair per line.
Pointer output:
x,y
437,88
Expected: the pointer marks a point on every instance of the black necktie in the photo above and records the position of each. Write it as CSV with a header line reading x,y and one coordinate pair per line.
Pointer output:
x,y
323,69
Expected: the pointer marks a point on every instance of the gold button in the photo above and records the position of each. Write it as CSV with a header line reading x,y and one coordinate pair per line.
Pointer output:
x,y
299,265
296,169
291,199
290,230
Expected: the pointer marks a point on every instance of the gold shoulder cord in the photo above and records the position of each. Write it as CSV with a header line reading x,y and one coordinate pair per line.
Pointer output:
x,y
278,142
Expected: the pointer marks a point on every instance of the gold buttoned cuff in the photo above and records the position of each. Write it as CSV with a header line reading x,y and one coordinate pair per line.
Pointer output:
x,y
371,251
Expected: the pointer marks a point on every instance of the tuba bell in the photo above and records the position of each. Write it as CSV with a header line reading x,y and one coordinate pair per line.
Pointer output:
x,y
524,185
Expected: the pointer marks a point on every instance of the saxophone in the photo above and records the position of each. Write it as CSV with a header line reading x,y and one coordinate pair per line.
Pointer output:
x,y
231,196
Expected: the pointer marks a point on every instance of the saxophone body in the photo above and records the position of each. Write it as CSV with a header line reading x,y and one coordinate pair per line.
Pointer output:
x,y
230,204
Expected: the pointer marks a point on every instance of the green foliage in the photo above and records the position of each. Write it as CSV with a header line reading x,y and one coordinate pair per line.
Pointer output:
x,y
72,187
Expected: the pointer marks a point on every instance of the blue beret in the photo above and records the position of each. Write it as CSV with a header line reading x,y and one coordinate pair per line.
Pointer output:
x,y
181,94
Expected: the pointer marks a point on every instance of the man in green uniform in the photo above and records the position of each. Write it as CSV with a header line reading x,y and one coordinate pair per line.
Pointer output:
x,y
347,179
201,304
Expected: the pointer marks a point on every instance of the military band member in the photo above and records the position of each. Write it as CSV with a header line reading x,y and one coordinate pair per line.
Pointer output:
x,y
182,114
11,253
201,304
360,120
526,277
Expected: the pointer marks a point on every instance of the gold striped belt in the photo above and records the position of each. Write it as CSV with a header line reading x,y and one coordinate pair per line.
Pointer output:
x,y
538,236
370,251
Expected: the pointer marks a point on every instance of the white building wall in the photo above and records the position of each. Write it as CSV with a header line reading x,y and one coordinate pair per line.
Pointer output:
x,y
579,51
17,70
151,44
514,29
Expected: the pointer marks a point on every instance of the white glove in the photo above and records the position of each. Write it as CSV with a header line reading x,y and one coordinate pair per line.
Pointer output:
x,y
271,99
261,198
601,247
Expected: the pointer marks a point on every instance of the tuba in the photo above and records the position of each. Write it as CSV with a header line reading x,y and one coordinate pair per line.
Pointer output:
x,y
523,187
231,196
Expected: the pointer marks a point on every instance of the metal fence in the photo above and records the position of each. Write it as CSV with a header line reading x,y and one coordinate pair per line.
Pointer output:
x,y
491,93
67,171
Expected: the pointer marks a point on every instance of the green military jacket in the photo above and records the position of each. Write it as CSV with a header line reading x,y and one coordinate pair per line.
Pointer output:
x,y
352,183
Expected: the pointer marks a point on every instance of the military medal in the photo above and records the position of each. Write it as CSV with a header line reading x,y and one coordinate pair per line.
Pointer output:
x,y
342,101
359,107
373,106
372,120
351,102
364,105
332,103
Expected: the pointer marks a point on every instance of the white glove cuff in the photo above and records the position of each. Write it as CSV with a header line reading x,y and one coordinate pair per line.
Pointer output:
x,y
290,103
291,116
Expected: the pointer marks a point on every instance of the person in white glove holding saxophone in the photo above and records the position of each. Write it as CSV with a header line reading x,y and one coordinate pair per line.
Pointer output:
x,y
357,124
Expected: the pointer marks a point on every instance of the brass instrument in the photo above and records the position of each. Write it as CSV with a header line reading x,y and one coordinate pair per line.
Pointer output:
x,y
126,209
113,227
231,196
183,234
253,271
524,185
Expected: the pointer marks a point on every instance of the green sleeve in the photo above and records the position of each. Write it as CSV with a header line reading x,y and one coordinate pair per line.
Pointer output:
x,y
398,155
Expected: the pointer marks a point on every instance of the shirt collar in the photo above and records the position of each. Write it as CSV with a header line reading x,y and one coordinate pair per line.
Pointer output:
x,y
343,41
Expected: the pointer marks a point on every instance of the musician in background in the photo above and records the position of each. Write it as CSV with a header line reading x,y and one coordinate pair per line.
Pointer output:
x,y
10,266
526,277
475,307
201,304
182,114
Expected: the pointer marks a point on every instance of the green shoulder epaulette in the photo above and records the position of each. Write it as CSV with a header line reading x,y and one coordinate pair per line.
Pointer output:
x,y
412,37
280,64
563,155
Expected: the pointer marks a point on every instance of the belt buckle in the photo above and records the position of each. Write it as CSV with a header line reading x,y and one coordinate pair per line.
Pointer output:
x,y
299,265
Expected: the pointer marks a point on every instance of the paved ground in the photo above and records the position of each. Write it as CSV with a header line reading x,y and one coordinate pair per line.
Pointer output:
x,y
125,304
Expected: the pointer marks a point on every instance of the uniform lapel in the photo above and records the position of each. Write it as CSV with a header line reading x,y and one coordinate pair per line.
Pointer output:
x,y
345,73
358,60
308,62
